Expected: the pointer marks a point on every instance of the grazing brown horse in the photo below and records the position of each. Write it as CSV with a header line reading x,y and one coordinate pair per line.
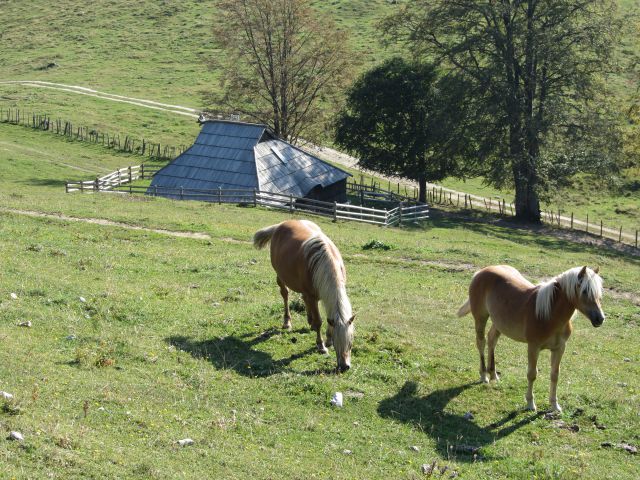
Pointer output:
x,y
307,261
538,315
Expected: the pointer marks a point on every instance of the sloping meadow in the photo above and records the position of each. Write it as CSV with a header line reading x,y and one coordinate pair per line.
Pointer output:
x,y
140,339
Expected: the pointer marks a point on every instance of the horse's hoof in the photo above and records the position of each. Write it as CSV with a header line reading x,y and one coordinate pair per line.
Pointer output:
x,y
555,407
531,407
322,349
484,379
287,325
495,378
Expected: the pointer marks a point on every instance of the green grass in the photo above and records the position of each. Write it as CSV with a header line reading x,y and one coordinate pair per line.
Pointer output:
x,y
179,338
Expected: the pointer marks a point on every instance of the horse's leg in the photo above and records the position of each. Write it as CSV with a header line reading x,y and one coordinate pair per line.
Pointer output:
x,y
315,321
329,338
556,356
532,373
481,323
492,339
285,296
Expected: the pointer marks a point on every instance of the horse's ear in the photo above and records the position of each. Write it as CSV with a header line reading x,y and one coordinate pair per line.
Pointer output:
x,y
352,319
582,272
596,270
330,322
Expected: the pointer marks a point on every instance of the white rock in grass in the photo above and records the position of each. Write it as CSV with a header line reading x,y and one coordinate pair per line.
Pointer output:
x,y
13,296
336,400
17,436
83,300
6,395
415,448
347,452
185,442
26,324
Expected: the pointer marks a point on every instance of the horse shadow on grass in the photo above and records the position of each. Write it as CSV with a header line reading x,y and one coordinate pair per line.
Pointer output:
x,y
454,435
239,353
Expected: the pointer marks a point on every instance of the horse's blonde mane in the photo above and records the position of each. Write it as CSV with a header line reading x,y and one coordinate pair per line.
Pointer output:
x,y
327,276
569,283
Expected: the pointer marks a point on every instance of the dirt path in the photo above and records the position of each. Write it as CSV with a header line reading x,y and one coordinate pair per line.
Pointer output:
x,y
176,109
100,221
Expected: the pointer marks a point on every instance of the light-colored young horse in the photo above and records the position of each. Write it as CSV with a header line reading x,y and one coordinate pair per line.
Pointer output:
x,y
307,261
539,315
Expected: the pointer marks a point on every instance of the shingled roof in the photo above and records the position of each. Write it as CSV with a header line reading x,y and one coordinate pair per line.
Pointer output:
x,y
232,155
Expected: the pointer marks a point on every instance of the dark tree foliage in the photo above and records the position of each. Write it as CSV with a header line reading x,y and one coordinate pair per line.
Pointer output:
x,y
536,69
401,119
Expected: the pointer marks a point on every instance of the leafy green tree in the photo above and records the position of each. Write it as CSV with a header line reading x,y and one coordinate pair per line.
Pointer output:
x,y
536,69
401,119
283,64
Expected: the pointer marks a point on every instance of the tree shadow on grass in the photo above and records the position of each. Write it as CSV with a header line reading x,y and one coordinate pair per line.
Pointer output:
x,y
540,235
238,353
455,436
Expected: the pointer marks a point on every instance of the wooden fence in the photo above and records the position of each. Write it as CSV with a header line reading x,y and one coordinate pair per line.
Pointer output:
x,y
121,181
124,143
112,180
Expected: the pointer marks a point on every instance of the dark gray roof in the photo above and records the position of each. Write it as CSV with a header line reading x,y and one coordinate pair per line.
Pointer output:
x,y
243,155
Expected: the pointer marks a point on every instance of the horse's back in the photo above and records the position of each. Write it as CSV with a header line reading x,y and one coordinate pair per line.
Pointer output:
x,y
501,292
287,255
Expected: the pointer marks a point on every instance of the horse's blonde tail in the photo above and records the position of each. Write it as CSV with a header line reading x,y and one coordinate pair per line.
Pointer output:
x,y
263,236
464,309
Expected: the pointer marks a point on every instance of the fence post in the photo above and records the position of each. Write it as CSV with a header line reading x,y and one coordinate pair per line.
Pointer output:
x,y
142,170
66,189
130,176
181,193
291,204
219,195
620,236
155,190
400,213
97,184
600,228
587,230
255,198
571,220
335,211
636,238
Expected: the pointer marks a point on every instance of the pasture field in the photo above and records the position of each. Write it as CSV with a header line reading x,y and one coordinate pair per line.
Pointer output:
x,y
139,339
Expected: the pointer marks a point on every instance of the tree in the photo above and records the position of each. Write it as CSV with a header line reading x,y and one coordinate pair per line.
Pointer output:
x,y
536,68
281,63
400,119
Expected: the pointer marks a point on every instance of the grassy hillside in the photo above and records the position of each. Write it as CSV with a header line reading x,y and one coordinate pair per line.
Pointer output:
x,y
178,338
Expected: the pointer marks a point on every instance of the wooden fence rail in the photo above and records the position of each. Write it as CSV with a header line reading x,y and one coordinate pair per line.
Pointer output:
x,y
121,181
